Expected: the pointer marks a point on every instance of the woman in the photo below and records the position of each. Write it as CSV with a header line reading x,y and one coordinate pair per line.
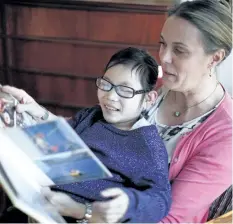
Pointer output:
x,y
192,113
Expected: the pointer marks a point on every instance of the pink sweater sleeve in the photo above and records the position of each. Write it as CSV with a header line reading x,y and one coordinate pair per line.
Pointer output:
x,y
203,178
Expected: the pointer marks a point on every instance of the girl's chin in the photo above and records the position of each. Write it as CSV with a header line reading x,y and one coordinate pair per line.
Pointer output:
x,y
110,118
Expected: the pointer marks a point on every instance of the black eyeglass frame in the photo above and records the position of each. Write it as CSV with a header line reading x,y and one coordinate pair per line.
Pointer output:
x,y
135,92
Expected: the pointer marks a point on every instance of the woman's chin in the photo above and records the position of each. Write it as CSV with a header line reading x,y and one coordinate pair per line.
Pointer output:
x,y
170,83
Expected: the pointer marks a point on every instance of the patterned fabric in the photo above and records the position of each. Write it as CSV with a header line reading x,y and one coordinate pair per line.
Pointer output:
x,y
221,205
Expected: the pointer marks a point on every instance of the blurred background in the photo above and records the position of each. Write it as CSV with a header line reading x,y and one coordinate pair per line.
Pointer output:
x,y
55,49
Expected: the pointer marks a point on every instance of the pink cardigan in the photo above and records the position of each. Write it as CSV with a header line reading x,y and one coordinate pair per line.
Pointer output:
x,y
201,167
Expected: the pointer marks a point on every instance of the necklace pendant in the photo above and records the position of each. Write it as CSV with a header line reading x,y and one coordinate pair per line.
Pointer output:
x,y
177,114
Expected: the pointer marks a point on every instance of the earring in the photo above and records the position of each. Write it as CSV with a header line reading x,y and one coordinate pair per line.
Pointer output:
x,y
210,74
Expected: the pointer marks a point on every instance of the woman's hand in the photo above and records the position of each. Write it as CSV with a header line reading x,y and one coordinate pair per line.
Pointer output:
x,y
112,210
26,102
102,212
64,204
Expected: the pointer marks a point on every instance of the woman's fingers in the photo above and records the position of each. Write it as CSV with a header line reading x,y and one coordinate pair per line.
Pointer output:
x,y
34,109
26,102
112,192
106,215
114,209
19,94
46,192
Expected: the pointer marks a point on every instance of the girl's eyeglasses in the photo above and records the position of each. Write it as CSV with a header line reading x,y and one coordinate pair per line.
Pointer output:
x,y
122,91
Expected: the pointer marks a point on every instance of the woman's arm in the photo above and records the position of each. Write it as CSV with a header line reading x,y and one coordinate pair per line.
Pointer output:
x,y
150,205
203,178
29,105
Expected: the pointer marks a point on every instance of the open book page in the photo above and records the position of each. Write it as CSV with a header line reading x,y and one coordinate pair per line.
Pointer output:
x,y
59,152
12,157
19,182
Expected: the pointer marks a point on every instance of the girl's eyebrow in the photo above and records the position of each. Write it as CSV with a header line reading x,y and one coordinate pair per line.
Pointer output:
x,y
123,83
106,78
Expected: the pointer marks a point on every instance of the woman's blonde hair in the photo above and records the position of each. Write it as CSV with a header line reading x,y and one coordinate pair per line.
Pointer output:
x,y
213,18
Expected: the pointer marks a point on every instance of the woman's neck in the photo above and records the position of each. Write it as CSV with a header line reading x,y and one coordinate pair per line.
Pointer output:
x,y
206,91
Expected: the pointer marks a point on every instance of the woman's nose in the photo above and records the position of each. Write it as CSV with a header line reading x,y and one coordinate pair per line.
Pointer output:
x,y
165,56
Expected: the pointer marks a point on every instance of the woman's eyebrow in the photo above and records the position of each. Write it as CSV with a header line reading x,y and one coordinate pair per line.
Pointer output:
x,y
180,44
161,36
176,43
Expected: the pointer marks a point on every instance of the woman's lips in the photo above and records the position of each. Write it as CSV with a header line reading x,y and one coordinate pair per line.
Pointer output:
x,y
168,73
169,76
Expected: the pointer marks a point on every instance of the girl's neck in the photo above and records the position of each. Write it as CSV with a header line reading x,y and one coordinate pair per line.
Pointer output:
x,y
126,126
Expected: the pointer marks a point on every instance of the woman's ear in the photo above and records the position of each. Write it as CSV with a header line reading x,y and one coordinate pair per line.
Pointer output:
x,y
217,57
151,98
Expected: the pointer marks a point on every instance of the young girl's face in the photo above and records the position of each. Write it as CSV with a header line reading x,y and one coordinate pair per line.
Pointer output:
x,y
117,110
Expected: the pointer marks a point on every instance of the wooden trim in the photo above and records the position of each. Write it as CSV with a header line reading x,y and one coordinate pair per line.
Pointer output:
x,y
64,40
160,8
57,104
134,2
47,73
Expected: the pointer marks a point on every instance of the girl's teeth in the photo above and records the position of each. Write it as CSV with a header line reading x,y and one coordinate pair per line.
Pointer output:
x,y
110,108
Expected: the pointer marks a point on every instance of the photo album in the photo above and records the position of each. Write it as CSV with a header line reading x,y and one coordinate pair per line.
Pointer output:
x,y
35,155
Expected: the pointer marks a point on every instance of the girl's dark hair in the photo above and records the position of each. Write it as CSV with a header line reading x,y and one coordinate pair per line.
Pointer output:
x,y
213,19
139,59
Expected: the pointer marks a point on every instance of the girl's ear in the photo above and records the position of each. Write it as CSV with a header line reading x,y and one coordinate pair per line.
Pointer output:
x,y
151,98
149,101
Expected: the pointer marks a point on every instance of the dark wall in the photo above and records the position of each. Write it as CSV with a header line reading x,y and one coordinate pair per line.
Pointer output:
x,y
56,53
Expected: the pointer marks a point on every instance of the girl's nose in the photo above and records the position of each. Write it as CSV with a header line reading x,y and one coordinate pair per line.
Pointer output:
x,y
112,95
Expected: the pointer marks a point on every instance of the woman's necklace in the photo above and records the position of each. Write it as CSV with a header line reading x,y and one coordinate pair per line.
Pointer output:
x,y
178,113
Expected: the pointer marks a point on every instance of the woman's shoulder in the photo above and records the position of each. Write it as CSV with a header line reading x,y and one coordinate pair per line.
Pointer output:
x,y
226,105
223,113
218,125
212,136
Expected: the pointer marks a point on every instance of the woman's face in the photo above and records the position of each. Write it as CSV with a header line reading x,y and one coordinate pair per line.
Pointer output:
x,y
119,111
182,55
